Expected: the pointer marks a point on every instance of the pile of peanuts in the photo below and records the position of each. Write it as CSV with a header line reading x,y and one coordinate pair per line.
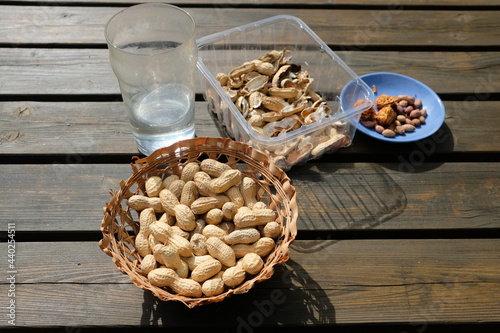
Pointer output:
x,y
396,115
204,231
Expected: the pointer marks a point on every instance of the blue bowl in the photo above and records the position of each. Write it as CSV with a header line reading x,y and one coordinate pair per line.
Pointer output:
x,y
393,84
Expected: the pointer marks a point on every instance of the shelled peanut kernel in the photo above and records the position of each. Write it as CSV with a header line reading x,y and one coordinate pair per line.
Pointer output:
x,y
195,227
396,115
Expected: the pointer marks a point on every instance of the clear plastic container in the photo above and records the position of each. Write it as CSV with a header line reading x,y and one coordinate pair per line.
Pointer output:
x,y
333,80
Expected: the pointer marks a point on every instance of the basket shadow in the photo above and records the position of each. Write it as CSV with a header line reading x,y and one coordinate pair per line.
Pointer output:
x,y
267,305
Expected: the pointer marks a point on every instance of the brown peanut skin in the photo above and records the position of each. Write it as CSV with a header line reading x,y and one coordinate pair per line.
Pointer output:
x,y
408,127
415,114
388,133
410,114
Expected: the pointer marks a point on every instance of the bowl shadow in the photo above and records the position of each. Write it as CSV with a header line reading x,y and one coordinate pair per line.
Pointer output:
x,y
411,157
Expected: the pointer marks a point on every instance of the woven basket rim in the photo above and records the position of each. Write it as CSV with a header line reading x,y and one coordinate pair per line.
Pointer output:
x,y
113,228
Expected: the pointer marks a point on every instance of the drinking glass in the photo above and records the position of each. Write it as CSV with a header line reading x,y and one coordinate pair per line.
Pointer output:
x,y
153,53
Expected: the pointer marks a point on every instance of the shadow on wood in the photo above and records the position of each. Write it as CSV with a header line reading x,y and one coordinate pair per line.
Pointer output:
x,y
296,298
339,196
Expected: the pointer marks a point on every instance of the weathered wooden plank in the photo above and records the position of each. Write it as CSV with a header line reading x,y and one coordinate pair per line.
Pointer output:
x,y
342,196
386,26
87,71
289,3
393,262
58,128
388,197
76,129
463,130
56,71
325,282
110,305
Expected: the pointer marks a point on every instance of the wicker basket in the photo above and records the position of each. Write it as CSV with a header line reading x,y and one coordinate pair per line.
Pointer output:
x,y
119,226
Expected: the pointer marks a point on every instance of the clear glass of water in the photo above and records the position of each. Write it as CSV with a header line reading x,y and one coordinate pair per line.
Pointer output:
x,y
153,53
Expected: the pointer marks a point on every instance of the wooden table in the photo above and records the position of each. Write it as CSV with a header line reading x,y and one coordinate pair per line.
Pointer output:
x,y
392,237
